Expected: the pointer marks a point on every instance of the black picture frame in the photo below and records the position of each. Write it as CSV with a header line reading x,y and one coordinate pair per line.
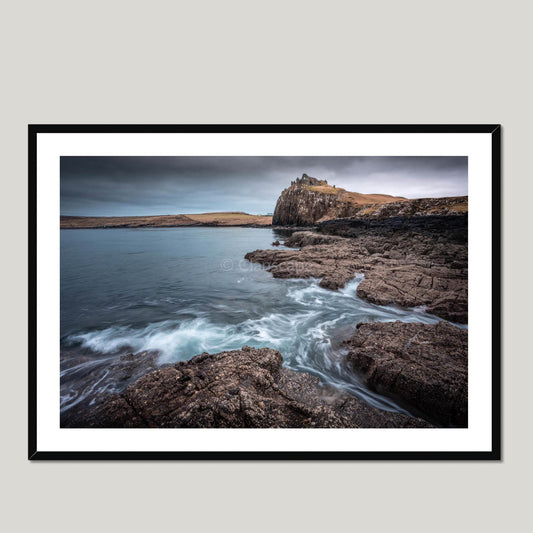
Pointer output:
x,y
494,454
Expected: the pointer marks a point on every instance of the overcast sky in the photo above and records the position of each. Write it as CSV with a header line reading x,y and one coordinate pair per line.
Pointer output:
x,y
107,186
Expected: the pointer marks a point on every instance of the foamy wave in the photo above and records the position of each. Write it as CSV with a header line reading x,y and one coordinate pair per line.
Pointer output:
x,y
314,295
308,330
174,341
179,341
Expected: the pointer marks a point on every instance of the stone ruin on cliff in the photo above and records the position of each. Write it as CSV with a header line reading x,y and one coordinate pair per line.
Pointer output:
x,y
308,180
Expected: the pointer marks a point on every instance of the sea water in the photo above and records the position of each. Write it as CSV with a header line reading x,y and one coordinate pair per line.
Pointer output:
x,y
184,291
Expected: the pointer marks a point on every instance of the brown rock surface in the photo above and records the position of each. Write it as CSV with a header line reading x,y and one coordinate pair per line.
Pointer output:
x,y
245,388
424,364
417,261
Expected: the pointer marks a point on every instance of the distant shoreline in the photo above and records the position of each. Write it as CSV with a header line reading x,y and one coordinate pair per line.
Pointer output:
x,y
259,226
220,219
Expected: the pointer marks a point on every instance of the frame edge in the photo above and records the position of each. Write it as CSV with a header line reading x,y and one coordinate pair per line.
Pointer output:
x,y
494,130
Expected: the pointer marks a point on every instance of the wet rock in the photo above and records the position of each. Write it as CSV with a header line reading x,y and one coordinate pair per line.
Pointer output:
x,y
412,262
245,388
276,243
426,365
109,373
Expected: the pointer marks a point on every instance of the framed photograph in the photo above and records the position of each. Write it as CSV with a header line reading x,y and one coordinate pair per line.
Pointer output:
x,y
264,292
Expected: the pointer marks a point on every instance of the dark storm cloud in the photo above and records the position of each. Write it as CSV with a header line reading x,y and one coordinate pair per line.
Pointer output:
x,y
169,185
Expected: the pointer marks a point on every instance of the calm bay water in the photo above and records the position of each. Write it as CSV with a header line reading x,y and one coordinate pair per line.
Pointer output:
x,y
184,291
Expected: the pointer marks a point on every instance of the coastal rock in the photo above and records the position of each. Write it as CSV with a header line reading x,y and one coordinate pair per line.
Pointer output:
x,y
245,388
413,262
310,200
426,365
303,203
114,372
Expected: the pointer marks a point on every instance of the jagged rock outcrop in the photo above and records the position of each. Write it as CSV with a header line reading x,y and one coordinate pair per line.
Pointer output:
x,y
309,201
424,364
412,262
245,388
300,205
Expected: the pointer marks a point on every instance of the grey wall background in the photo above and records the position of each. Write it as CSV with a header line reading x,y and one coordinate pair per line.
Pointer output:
x,y
269,62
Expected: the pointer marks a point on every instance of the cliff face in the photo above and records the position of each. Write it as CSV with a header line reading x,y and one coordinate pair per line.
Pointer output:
x,y
308,201
302,205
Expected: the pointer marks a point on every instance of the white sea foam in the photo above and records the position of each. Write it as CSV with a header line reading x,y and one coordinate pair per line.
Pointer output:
x,y
307,330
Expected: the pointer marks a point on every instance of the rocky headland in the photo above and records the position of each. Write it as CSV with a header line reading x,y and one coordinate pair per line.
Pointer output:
x,y
308,201
412,253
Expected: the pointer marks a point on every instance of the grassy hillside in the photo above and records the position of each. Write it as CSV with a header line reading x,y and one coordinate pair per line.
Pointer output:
x,y
355,198
232,218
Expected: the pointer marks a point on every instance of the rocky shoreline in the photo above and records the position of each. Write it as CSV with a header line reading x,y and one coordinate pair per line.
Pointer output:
x,y
412,253
416,261
246,388
410,262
